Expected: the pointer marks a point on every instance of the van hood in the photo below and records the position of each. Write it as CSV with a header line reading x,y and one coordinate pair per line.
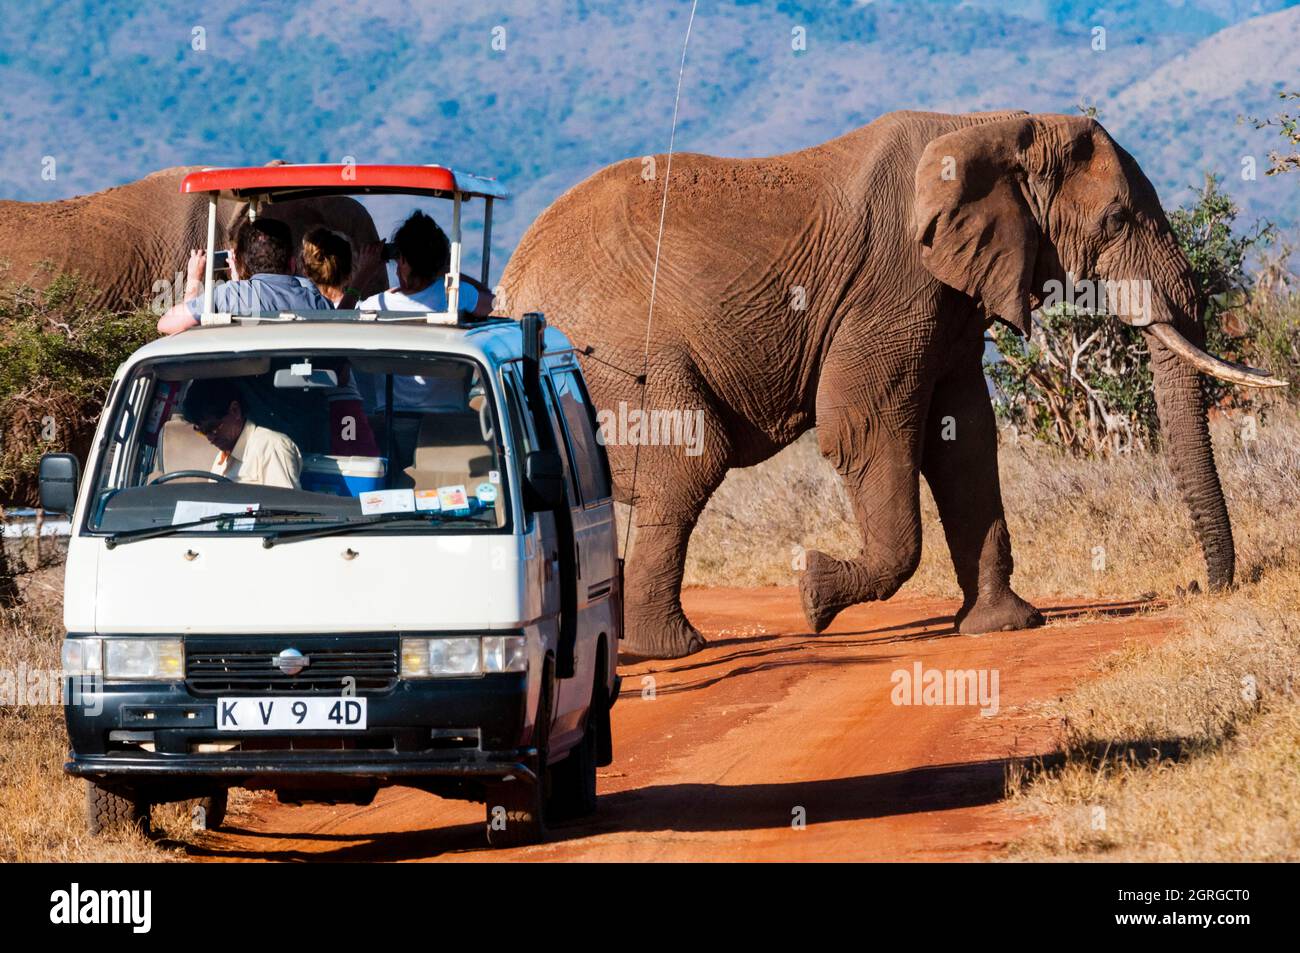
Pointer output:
x,y
350,583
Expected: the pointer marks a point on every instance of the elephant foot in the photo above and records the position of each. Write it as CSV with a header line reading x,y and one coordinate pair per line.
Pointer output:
x,y
667,637
819,579
1005,612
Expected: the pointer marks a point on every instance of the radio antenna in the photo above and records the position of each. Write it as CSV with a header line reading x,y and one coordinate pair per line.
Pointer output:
x,y
654,274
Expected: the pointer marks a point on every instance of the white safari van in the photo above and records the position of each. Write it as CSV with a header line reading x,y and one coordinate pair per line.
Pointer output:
x,y
430,597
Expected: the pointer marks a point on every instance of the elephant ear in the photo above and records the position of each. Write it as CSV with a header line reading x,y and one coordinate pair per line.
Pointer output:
x,y
973,221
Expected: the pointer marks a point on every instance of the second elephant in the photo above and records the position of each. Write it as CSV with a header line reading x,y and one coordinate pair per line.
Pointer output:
x,y
125,240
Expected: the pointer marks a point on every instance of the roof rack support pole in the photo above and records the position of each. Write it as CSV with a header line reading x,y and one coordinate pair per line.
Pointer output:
x,y
212,241
453,274
487,239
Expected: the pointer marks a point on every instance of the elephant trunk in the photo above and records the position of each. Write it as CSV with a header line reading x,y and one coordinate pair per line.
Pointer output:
x,y
1180,403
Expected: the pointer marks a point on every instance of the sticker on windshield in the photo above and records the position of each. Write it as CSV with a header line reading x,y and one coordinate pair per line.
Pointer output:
x,y
494,476
486,493
427,500
188,511
387,501
454,499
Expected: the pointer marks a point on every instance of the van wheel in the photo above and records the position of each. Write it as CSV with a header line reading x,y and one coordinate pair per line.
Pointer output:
x,y
515,807
573,780
107,811
208,813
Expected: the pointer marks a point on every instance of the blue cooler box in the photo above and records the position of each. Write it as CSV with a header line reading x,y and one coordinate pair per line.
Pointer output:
x,y
343,476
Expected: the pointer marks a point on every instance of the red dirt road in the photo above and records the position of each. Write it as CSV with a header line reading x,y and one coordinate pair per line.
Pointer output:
x,y
766,723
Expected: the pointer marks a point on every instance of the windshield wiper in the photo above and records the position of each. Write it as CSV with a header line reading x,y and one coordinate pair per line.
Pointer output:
x,y
153,532
352,526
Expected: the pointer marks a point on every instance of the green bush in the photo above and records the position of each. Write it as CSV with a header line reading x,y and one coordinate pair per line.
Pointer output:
x,y
1082,381
57,356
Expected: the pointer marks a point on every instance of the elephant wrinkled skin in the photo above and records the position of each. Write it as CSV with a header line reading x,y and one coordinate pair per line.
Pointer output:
x,y
848,286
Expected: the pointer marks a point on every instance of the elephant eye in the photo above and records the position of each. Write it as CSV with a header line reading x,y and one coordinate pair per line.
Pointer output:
x,y
1114,220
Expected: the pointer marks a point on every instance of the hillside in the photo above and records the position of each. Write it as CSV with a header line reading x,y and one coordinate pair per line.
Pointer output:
x,y
582,84
1192,104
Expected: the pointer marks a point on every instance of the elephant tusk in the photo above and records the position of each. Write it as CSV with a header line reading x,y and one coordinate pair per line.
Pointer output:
x,y
1228,371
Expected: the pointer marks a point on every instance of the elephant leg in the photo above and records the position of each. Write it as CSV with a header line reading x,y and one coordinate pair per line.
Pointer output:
x,y
654,625
960,463
868,427
886,503
673,485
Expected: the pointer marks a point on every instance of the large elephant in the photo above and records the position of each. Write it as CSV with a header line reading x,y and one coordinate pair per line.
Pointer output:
x,y
125,239
849,286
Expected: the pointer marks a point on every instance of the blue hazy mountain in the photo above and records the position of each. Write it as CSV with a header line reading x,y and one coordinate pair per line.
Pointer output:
x,y
542,94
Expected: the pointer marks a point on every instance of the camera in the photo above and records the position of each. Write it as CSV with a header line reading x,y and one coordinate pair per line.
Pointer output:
x,y
390,251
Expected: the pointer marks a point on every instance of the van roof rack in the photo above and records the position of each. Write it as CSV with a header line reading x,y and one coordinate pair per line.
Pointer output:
x,y
285,183
355,316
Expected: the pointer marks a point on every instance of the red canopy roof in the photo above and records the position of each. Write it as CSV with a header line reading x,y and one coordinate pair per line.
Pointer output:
x,y
301,181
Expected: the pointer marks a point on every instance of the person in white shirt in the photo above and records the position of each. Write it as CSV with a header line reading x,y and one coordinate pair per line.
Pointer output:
x,y
423,260
246,453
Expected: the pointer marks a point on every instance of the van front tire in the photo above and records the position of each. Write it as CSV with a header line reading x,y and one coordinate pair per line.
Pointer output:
x,y
109,811
573,780
516,806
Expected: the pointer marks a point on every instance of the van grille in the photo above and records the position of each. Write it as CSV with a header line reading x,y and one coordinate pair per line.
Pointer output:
x,y
233,665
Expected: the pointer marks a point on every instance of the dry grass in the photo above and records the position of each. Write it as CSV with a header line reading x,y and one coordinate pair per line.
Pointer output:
x,y
1059,511
41,808
1186,751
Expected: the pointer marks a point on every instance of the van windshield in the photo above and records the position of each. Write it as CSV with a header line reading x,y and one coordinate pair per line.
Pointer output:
x,y
284,443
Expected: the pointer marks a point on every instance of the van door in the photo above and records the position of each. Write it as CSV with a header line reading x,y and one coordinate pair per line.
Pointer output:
x,y
595,536
538,527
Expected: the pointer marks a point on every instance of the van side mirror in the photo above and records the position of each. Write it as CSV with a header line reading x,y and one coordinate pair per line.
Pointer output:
x,y
59,475
544,480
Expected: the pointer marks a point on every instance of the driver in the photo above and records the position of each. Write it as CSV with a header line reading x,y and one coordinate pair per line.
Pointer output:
x,y
246,453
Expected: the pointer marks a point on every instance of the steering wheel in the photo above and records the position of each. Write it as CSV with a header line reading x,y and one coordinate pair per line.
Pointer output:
x,y
485,422
196,474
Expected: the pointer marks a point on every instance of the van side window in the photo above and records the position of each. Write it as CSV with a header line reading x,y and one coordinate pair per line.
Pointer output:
x,y
521,423
566,452
588,456
520,395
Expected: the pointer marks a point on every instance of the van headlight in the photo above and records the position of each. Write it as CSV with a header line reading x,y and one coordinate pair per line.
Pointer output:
x,y
152,659
505,653
83,657
459,655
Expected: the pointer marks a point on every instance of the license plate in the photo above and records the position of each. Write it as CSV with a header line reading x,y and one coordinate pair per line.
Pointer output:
x,y
291,714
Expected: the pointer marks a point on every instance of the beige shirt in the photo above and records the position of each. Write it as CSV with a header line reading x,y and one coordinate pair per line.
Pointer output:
x,y
263,456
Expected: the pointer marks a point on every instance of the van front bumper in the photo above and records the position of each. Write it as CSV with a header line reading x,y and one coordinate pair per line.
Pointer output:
x,y
468,728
